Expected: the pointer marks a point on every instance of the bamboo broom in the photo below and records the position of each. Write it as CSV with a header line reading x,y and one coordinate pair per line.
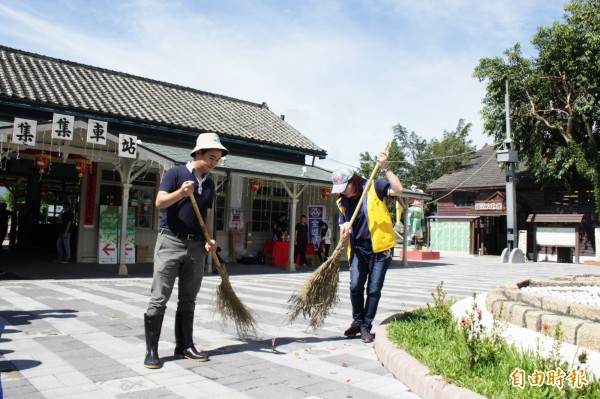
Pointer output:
x,y
317,297
227,303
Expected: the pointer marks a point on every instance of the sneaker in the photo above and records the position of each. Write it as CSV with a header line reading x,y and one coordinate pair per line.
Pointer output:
x,y
366,335
352,330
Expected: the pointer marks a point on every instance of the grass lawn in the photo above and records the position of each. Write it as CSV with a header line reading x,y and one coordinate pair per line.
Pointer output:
x,y
468,355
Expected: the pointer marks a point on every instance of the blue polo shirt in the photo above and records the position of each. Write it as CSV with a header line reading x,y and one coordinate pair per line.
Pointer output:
x,y
361,236
181,217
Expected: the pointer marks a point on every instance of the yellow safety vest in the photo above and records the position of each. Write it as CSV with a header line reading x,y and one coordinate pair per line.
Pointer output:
x,y
379,222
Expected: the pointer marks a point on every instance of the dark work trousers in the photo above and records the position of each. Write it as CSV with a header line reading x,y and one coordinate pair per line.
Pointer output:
x,y
175,257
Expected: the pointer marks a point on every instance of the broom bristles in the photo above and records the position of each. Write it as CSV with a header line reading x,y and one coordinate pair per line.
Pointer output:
x,y
318,296
231,309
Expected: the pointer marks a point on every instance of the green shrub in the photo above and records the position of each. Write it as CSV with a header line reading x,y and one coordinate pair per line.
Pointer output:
x,y
468,355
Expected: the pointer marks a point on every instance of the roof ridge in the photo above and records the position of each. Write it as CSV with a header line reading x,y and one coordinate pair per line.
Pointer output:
x,y
127,75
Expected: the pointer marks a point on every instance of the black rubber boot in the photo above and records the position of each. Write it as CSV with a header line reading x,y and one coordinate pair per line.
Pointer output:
x,y
184,344
152,327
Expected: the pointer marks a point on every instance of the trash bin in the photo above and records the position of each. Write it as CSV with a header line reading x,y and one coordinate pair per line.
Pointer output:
x,y
141,254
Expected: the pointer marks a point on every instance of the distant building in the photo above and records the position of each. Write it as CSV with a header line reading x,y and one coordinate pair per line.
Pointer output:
x,y
265,175
471,213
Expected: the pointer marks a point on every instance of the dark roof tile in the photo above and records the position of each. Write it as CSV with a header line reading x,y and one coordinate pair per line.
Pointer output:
x,y
482,171
76,87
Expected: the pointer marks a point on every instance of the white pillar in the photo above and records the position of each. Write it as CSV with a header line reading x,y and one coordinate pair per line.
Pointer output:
x,y
597,239
123,235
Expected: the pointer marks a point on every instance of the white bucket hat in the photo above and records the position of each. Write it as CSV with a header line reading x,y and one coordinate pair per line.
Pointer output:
x,y
208,141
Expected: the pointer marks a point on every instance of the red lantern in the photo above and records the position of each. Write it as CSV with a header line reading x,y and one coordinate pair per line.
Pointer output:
x,y
42,161
255,185
325,192
82,166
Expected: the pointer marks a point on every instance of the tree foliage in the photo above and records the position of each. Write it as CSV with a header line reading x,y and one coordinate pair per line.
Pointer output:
x,y
419,162
554,97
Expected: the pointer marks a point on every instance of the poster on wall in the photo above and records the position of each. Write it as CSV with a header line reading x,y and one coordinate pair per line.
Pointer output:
x,y
316,214
90,197
130,244
108,235
236,219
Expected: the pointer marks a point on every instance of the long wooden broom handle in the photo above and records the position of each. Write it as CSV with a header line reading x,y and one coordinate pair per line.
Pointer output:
x,y
362,197
204,230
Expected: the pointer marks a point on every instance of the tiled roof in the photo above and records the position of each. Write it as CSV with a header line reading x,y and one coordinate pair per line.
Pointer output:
x,y
69,86
482,171
247,165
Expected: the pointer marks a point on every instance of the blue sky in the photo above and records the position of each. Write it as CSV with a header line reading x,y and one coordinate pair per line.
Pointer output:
x,y
342,72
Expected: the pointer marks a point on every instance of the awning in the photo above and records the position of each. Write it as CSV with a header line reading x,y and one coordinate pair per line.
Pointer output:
x,y
571,218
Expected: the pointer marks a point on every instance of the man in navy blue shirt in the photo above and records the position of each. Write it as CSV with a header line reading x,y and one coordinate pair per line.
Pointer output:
x,y
181,249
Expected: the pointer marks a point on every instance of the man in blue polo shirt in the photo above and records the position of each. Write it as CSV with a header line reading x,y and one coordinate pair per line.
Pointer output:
x,y
181,249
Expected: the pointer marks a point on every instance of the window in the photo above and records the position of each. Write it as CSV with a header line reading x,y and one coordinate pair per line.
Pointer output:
x,y
267,208
266,213
464,198
587,198
220,210
561,198
140,198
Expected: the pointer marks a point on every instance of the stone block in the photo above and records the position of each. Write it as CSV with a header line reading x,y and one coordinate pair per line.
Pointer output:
x,y
512,294
533,319
588,336
517,314
492,297
556,305
569,325
534,300
585,312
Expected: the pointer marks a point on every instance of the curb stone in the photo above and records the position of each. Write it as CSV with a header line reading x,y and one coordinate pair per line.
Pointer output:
x,y
414,374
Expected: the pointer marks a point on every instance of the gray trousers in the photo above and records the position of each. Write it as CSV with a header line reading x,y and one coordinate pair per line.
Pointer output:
x,y
174,257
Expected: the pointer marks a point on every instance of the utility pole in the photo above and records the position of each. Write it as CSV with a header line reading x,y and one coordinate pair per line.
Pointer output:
x,y
510,157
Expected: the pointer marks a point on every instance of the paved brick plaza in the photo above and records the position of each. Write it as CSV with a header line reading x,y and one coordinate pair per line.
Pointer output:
x,y
84,337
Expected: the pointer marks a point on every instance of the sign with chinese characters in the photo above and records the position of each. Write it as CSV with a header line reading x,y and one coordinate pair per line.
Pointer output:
x,y
24,131
489,206
96,132
127,146
236,219
62,127
90,197
316,214
523,241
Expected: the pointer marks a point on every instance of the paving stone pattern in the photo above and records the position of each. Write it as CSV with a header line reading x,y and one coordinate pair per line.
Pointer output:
x,y
84,338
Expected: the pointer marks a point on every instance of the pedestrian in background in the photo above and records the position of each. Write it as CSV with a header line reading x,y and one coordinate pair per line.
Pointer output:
x,y
181,248
372,240
63,243
4,215
301,241
325,244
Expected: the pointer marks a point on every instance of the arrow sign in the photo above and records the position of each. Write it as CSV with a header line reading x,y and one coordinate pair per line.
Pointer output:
x,y
107,249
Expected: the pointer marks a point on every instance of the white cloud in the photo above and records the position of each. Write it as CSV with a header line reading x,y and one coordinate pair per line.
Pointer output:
x,y
342,73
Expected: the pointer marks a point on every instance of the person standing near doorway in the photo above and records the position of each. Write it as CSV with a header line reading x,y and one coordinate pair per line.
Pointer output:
x,y
301,241
63,243
181,248
4,215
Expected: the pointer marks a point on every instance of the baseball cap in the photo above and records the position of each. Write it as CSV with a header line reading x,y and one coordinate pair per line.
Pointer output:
x,y
207,141
340,179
